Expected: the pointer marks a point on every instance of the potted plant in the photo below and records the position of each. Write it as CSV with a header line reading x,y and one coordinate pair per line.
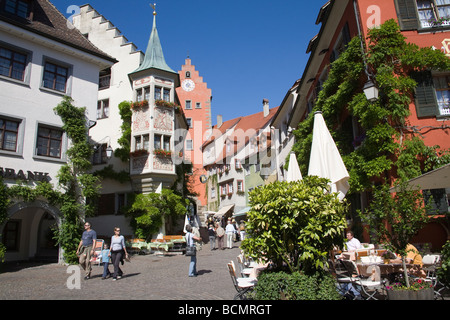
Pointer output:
x,y
394,218
418,289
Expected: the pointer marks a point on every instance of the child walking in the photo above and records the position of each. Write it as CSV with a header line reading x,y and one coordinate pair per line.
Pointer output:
x,y
105,261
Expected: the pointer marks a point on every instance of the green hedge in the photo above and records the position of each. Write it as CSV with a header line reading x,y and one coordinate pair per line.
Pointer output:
x,y
295,286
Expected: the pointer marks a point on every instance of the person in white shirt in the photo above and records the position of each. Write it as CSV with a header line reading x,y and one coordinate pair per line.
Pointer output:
x,y
352,243
230,231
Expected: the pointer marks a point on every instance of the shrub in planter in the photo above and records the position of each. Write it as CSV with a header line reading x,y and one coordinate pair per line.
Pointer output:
x,y
295,286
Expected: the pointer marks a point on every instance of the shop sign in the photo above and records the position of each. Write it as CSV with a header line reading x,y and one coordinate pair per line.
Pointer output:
x,y
11,174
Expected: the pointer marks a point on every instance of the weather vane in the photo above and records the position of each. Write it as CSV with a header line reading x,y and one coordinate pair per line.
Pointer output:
x,y
153,7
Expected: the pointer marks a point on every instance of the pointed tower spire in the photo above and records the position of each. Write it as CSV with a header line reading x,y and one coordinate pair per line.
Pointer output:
x,y
154,57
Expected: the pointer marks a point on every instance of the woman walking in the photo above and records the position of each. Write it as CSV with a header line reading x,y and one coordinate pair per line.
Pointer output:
x,y
190,237
118,252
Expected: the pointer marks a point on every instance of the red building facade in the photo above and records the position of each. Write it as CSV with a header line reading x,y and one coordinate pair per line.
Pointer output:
x,y
195,98
425,23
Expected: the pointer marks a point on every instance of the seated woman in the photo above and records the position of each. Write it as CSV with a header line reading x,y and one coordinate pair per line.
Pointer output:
x,y
413,257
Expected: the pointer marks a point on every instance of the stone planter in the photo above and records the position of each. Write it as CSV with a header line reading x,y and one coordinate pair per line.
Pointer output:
x,y
425,294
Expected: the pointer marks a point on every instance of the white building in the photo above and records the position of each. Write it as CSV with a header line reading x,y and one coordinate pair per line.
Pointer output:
x,y
114,88
42,58
238,157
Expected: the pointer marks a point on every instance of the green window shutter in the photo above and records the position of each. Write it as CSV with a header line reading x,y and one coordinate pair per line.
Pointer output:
x,y
425,95
407,14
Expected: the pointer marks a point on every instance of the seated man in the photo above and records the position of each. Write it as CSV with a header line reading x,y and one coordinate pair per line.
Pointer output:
x,y
352,243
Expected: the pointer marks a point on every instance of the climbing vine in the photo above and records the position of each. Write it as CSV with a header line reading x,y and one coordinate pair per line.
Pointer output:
x,y
386,144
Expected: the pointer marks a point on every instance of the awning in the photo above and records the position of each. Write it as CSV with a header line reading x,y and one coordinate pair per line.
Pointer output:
x,y
242,212
436,179
223,211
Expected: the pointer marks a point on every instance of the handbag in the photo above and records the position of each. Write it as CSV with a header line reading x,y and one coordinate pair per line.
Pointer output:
x,y
191,251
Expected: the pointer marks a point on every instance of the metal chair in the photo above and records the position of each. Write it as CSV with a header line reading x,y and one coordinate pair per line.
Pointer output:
x,y
368,288
431,263
342,277
242,285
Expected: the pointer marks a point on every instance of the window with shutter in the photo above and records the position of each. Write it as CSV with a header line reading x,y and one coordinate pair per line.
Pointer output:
x,y
437,201
407,14
425,95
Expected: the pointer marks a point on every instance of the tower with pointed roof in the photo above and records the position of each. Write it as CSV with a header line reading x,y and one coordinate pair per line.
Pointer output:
x,y
158,122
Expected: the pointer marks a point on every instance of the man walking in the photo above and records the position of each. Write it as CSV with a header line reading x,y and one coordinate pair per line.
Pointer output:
x,y
86,249
230,231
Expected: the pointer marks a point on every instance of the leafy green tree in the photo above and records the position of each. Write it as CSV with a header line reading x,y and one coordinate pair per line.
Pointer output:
x,y
148,210
395,218
294,223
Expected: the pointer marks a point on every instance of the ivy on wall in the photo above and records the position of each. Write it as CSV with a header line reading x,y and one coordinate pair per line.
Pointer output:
x,y
387,146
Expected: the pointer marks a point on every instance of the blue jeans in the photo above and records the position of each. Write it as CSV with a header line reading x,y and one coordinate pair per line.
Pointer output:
x,y
193,266
106,270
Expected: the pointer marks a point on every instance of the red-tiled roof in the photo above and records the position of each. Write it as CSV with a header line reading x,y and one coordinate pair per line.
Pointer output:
x,y
47,21
245,128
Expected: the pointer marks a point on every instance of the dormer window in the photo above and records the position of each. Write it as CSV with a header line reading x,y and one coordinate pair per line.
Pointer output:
x,y
18,7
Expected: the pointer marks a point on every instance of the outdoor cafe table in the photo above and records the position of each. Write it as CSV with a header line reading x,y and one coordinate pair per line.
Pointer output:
x,y
387,270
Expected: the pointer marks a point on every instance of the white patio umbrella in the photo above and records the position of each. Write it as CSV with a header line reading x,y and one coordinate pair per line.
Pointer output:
x,y
325,160
293,172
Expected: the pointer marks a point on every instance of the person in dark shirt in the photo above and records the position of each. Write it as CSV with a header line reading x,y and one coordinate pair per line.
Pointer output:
x,y
86,249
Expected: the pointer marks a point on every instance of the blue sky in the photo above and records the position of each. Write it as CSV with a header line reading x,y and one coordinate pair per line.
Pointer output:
x,y
246,50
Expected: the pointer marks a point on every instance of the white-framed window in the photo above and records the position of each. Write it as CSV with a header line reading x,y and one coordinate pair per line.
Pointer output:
x,y
189,145
442,87
198,105
103,109
240,186
213,193
188,105
237,164
189,122
161,141
141,142
433,12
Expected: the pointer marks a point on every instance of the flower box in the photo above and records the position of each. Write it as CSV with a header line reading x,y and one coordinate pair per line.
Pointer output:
x,y
139,153
162,153
139,105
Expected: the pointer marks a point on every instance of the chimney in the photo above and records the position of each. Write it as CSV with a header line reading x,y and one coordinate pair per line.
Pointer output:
x,y
219,121
266,107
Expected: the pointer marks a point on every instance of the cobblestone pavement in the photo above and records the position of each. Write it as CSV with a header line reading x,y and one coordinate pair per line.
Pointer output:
x,y
146,277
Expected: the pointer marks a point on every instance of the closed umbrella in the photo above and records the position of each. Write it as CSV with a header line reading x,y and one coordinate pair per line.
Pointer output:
x,y
293,171
325,160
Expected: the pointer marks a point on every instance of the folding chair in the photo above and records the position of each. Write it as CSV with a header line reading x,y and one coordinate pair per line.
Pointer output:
x,y
245,272
431,263
242,285
342,276
367,287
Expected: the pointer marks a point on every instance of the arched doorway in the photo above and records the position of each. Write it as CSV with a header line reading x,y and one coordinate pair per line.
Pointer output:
x,y
27,234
